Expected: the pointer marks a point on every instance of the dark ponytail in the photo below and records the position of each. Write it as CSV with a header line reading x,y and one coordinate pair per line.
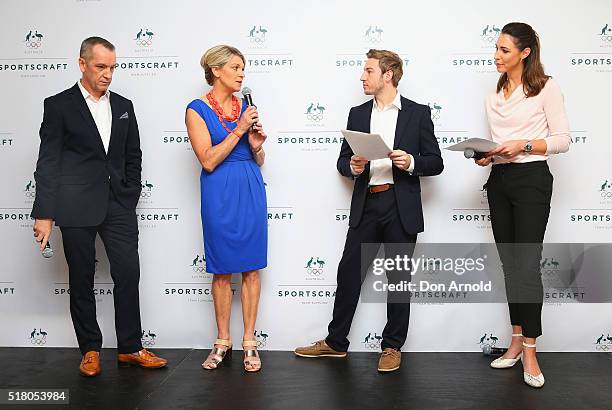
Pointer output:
x,y
533,77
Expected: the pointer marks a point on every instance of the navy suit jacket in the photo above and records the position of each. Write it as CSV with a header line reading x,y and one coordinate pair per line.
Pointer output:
x,y
73,173
414,133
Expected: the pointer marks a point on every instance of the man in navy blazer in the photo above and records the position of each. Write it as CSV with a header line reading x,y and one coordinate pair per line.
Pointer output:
x,y
88,183
386,204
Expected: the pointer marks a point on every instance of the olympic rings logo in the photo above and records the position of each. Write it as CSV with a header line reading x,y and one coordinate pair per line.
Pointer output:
x,y
258,39
145,194
606,38
261,344
315,117
489,39
435,116
39,342
603,348
30,194
372,345
199,269
606,194
148,342
314,271
144,42
34,44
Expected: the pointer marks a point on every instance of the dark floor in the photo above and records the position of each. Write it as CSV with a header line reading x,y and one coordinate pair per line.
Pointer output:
x,y
426,380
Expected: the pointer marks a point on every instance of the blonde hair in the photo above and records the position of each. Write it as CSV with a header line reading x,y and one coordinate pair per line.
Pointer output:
x,y
218,56
388,60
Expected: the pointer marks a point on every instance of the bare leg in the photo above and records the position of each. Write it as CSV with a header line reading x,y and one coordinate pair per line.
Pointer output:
x,y
251,288
222,298
516,346
530,361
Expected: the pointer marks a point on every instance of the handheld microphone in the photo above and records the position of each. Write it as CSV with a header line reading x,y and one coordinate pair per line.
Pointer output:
x,y
489,350
246,93
47,252
470,153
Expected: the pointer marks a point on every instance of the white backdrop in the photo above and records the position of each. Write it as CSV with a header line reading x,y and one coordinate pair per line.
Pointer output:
x,y
299,56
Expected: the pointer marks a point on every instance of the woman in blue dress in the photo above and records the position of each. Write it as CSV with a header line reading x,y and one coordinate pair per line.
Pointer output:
x,y
227,139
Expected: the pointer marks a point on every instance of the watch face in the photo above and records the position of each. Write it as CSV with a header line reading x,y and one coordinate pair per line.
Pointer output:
x,y
528,147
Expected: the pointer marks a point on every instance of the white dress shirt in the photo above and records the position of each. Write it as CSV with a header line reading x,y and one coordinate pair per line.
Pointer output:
x,y
383,122
101,113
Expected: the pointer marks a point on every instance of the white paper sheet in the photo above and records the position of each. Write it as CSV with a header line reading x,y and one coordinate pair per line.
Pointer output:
x,y
477,144
370,146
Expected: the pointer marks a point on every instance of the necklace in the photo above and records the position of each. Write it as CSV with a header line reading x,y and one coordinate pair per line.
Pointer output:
x,y
219,110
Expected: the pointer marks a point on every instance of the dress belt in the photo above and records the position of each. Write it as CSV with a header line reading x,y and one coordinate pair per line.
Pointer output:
x,y
375,189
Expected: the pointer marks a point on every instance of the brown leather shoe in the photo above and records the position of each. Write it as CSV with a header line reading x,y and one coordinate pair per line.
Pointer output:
x,y
143,358
90,364
390,360
318,349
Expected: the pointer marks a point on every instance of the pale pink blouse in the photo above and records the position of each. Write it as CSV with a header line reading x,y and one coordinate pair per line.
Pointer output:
x,y
539,117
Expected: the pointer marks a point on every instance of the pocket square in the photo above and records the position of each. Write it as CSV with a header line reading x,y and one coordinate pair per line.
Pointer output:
x,y
124,116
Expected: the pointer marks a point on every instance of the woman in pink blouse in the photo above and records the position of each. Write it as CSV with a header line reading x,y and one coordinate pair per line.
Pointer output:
x,y
527,118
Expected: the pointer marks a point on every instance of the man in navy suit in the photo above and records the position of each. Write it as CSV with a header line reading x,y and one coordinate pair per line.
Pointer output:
x,y
88,183
386,204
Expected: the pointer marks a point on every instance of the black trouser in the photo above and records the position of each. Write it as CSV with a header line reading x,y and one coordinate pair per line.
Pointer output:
x,y
380,223
519,200
119,233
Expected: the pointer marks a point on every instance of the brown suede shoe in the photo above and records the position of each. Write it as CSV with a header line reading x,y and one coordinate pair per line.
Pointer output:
x,y
390,360
90,364
318,349
143,358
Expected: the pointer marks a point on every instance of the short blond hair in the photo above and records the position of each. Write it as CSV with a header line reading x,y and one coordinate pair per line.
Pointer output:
x,y
218,56
388,60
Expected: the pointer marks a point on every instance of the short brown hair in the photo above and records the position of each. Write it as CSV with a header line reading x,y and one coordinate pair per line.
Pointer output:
x,y
218,56
90,42
388,60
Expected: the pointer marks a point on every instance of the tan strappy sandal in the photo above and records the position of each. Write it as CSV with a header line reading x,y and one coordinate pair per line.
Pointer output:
x,y
218,355
252,362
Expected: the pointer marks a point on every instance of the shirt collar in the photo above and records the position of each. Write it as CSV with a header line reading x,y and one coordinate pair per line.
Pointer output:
x,y
87,95
397,103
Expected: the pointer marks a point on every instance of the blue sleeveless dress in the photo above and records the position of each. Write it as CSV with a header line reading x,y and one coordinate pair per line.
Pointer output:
x,y
233,204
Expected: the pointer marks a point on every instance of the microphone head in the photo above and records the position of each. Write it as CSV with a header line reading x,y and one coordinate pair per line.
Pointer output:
x,y
246,91
469,153
486,350
47,252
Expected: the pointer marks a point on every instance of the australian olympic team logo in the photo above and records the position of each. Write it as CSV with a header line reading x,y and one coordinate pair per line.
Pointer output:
x,y
604,343
435,111
490,34
605,190
33,39
549,266
30,190
38,337
146,189
372,342
148,339
314,267
257,34
261,339
483,191
605,34
144,38
315,112
199,264
373,34
488,340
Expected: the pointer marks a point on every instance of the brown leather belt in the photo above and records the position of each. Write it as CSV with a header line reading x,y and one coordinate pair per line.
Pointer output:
x,y
375,189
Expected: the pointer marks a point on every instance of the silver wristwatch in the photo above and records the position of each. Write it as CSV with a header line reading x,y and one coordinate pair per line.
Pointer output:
x,y
528,147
